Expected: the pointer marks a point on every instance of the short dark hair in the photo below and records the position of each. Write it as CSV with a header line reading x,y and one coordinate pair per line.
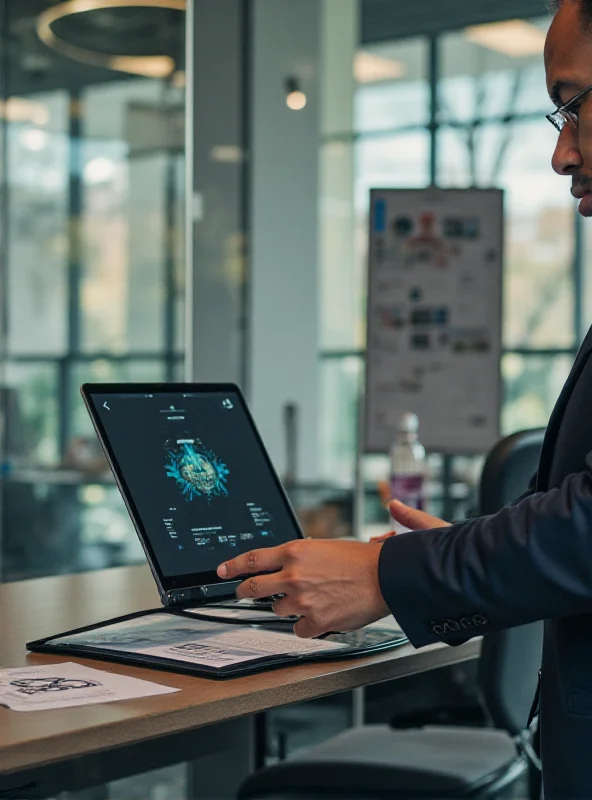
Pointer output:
x,y
586,7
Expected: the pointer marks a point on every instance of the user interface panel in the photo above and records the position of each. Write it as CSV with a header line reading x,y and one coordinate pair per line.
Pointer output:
x,y
197,474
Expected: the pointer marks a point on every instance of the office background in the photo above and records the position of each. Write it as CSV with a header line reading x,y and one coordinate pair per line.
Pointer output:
x,y
103,205
98,215
164,214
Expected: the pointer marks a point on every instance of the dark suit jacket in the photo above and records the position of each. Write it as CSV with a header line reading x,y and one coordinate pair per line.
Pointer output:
x,y
530,561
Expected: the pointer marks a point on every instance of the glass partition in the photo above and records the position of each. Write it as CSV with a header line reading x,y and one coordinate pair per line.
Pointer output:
x,y
94,265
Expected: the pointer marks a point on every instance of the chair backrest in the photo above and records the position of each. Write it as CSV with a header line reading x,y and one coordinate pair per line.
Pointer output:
x,y
510,659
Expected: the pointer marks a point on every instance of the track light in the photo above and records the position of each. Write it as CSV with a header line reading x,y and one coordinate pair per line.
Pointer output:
x,y
295,97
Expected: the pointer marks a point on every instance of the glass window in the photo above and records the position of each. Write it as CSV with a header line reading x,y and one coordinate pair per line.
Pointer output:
x,y
105,265
400,160
539,228
532,385
341,285
31,423
37,241
493,70
340,386
133,214
539,288
491,132
94,268
393,91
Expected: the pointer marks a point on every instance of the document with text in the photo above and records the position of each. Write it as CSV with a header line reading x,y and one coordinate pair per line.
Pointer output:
x,y
196,641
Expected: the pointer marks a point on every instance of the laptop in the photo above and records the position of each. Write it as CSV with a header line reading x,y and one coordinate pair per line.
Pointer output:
x,y
200,489
196,478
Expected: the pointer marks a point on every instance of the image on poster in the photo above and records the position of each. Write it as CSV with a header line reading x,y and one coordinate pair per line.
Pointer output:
x,y
434,317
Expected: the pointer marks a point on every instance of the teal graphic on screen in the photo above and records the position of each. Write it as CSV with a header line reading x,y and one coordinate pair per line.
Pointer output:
x,y
196,470
197,475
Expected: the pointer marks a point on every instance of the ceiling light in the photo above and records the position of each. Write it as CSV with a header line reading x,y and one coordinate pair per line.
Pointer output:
x,y
516,38
33,139
158,66
148,66
99,170
370,68
19,109
178,79
227,154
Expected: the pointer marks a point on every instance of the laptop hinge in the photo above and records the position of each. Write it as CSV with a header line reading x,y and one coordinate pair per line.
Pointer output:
x,y
202,595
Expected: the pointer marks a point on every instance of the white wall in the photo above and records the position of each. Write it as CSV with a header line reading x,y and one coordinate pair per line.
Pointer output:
x,y
284,296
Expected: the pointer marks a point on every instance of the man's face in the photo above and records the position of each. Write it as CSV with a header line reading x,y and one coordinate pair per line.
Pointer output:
x,y
568,64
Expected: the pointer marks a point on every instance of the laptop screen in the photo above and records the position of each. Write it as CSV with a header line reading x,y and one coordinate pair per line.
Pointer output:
x,y
201,486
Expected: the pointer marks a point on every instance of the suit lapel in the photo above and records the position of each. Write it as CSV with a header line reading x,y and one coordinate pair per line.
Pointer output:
x,y
556,417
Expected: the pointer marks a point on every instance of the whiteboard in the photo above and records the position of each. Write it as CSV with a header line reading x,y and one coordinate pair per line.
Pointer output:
x,y
434,317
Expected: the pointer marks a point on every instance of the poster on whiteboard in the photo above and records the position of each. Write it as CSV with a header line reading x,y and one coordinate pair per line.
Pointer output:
x,y
434,317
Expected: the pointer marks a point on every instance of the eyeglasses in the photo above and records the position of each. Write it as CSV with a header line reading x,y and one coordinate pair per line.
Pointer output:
x,y
568,112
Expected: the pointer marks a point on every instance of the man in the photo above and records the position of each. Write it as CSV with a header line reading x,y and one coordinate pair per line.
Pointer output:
x,y
532,560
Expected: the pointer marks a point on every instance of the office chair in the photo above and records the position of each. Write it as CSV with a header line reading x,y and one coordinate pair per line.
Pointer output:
x,y
436,762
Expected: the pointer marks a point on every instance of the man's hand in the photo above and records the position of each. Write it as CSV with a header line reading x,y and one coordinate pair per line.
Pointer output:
x,y
331,586
411,518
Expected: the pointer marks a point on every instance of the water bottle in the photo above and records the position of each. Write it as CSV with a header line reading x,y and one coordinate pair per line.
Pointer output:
x,y
408,468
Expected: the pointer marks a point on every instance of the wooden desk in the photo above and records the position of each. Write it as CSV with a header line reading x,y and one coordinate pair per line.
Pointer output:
x,y
31,741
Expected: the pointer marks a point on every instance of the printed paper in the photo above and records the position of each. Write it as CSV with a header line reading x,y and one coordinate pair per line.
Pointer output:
x,y
197,641
66,685
434,317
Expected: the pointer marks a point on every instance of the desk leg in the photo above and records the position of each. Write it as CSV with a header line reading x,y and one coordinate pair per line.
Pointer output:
x,y
217,775
358,707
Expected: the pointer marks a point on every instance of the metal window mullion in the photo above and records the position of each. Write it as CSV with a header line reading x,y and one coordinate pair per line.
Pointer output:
x,y
433,76
543,352
83,358
75,207
169,264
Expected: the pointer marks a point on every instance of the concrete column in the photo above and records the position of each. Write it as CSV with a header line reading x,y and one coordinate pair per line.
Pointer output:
x,y
284,293
216,176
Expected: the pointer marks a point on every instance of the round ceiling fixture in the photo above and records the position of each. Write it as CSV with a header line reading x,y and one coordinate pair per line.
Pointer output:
x,y
150,66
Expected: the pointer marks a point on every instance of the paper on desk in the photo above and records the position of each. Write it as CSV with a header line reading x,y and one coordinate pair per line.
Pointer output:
x,y
240,645
64,685
195,641
248,614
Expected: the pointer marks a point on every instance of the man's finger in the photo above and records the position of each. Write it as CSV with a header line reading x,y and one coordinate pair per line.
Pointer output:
x,y
306,629
284,607
383,537
260,586
413,519
266,560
